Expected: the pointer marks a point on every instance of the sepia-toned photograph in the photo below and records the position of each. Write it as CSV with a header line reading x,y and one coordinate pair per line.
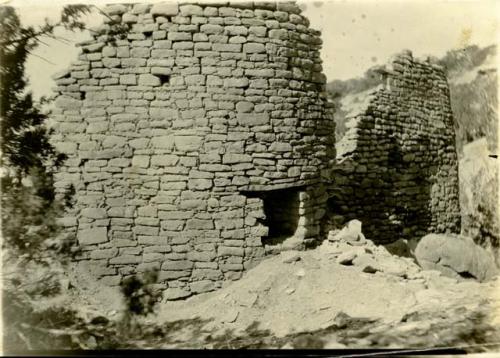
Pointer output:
x,y
250,175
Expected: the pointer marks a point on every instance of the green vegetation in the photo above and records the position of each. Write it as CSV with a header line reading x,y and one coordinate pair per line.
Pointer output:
x,y
35,251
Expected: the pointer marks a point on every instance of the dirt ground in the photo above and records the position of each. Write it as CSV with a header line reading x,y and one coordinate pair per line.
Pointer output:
x,y
325,297
309,291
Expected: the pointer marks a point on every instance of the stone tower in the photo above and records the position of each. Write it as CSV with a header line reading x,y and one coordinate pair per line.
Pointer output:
x,y
195,144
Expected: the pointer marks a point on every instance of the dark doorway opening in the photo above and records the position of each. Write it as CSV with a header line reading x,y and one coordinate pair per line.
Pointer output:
x,y
281,208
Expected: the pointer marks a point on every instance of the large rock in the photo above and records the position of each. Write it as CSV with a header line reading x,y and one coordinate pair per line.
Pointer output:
x,y
478,178
455,256
350,233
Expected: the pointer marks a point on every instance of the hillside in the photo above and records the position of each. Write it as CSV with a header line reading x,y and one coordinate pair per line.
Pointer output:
x,y
472,78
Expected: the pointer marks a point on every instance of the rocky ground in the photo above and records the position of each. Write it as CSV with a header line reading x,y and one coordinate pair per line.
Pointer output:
x,y
347,296
342,294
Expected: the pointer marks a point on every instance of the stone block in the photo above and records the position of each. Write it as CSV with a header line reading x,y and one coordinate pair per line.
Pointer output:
x,y
123,51
111,62
199,224
206,256
149,80
167,9
254,47
162,71
179,36
129,18
236,82
191,10
141,161
147,211
280,147
165,160
207,274
200,184
119,162
172,275
279,34
244,107
232,158
163,113
172,225
178,265
96,235
187,143
139,143
158,248
140,52
125,260
230,251
146,230
210,158
253,119
129,79
94,213
152,257
202,286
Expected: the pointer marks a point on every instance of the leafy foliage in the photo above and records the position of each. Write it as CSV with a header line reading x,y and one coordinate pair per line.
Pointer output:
x,y
29,208
25,141
140,300
138,293
35,252
71,15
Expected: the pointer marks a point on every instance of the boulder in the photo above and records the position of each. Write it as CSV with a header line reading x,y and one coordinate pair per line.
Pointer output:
x,y
455,256
350,233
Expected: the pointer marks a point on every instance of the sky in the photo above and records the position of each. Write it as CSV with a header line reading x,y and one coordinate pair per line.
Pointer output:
x,y
356,34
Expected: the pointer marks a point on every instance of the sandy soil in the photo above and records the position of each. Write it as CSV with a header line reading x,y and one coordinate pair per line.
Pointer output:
x,y
307,294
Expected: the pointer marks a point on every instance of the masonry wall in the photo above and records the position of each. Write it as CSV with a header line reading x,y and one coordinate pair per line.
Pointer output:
x,y
397,168
176,133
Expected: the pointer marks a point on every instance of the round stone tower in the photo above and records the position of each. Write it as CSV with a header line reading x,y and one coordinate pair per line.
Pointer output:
x,y
197,143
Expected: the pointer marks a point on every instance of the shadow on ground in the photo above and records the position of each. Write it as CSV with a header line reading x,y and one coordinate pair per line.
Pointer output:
x,y
57,330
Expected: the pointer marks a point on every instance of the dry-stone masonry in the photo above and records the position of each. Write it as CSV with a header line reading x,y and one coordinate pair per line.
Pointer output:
x,y
397,166
204,140
196,142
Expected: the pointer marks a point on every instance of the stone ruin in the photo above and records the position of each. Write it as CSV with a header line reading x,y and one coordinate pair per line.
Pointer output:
x,y
204,141
397,166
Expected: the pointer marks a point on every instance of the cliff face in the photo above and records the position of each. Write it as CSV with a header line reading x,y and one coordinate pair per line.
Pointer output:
x,y
479,195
